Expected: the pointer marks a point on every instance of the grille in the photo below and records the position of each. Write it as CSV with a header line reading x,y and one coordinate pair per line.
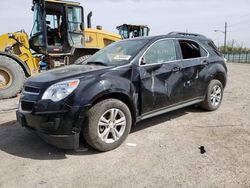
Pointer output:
x,y
31,89
27,106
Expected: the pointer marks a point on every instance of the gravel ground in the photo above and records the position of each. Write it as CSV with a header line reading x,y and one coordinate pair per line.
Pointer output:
x,y
159,152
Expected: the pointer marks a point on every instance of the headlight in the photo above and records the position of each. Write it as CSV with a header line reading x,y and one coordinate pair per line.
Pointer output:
x,y
60,90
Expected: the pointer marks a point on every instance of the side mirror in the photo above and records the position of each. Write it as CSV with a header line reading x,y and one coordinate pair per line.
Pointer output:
x,y
143,61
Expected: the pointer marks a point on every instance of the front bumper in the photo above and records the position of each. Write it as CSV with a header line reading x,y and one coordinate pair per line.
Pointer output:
x,y
62,141
60,129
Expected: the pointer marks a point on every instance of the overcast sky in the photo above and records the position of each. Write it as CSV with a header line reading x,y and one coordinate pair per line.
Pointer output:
x,y
162,16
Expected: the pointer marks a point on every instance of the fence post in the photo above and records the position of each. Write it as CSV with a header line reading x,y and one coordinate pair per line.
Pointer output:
x,y
246,56
239,56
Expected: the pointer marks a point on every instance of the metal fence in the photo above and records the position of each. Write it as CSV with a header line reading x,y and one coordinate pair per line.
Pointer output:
x,y
238,57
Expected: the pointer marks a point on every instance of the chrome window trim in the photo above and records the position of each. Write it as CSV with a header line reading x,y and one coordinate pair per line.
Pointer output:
x,y
208,54
173,60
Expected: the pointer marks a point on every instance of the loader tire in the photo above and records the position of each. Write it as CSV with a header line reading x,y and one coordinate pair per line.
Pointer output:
x,y
11,77
82,59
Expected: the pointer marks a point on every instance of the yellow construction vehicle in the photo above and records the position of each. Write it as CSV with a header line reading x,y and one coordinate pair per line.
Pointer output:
x,y
132,31
58,32
16,63
58,38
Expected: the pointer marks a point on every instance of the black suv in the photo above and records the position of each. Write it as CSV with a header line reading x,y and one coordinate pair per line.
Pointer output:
x,y
128,81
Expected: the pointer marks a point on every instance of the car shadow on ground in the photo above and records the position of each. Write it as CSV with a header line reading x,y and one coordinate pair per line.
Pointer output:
x,y
18,141
165,117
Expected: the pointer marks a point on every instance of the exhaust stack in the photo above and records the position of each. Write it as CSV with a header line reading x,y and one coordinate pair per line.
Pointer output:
x,y
89,20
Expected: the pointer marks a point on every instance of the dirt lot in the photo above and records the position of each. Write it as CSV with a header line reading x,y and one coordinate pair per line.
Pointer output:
x,y
166,153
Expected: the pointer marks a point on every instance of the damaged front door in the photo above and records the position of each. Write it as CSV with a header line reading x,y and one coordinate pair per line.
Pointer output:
x,y
161,76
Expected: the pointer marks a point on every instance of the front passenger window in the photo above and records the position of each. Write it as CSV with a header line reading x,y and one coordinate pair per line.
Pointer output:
x,y
160,52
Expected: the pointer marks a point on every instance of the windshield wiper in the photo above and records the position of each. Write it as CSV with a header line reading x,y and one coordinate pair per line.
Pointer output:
x,y
96,63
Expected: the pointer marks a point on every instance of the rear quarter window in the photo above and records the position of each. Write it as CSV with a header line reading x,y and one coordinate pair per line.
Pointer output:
x,y
214,48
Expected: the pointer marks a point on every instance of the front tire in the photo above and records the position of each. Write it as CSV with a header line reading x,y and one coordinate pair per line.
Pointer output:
x,y
108,125
11,77
214,96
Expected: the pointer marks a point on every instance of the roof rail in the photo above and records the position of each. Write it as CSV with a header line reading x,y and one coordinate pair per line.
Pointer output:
x,y
186,34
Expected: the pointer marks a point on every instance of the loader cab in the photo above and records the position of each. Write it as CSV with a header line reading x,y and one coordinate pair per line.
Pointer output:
x,y
131,31
58,26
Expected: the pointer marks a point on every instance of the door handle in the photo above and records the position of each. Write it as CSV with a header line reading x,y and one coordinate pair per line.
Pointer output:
x,y
205,62
176,69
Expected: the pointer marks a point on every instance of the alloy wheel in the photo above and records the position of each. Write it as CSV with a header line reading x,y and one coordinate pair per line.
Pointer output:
x,y
111,125
215,96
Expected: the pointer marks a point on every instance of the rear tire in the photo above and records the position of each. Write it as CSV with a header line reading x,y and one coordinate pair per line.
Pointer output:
x,y
11,77
104,133
82,59
214,96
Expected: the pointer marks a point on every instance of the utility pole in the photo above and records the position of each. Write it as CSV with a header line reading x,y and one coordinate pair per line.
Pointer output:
x,y
225,38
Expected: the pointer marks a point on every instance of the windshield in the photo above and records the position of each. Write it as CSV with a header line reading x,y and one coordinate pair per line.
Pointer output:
x,y
118,53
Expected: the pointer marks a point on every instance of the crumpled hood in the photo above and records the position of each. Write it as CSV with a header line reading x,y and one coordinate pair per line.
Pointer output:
x,y
64,73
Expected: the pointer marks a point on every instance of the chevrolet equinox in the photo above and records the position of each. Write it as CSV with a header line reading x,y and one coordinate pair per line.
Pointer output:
x,y
120,85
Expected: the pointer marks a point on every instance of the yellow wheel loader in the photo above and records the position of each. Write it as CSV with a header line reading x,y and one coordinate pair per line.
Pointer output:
x,y
16,63
58,38
131,31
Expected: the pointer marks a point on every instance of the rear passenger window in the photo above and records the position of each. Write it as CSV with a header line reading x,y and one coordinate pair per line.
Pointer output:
x,y
191,49
160,52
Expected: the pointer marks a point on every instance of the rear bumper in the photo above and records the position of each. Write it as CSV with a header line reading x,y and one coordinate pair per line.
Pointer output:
x,y
55,130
